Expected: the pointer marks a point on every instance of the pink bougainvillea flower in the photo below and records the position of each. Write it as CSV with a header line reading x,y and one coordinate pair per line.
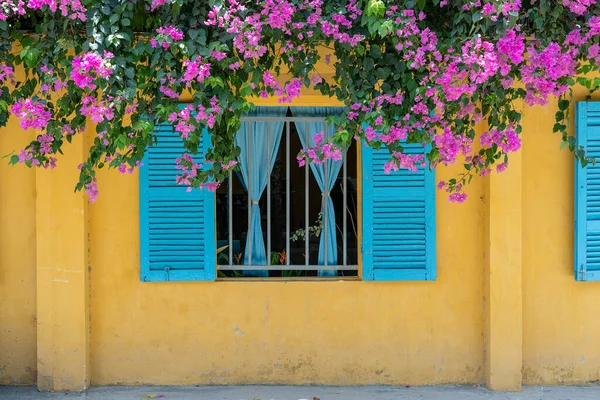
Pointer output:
x,y
89,67
196,69
31,113
92,190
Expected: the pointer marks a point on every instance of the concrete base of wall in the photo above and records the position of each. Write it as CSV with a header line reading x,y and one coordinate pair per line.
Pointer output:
x,y
453,392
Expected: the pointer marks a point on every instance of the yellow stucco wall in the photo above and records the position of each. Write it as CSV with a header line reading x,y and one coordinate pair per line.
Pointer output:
x,y
312,332
561,328
17,264
283,332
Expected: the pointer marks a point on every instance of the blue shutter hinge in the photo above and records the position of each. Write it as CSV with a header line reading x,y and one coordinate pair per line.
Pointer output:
x,y
582,272
167,272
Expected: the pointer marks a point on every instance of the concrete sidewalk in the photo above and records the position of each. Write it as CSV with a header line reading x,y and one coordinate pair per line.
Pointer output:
x,y
450,392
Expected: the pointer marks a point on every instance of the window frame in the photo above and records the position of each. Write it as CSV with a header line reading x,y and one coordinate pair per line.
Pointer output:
x,y
308,175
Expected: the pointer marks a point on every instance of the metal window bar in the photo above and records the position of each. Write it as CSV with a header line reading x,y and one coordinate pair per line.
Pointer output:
x,y
249,249
268,193
288,266
306,200
230,216
345,212
324,201
287,193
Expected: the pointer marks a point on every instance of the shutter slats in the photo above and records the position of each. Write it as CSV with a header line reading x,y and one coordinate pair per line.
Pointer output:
x,y
177,227
398,219
587,195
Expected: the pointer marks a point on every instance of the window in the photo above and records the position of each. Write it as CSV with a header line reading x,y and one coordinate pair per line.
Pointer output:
x,y
383,222
265,210
587,194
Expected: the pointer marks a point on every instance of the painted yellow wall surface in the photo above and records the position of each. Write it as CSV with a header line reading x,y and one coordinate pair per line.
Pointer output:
x,y
561,328
331,332
282,332
17,263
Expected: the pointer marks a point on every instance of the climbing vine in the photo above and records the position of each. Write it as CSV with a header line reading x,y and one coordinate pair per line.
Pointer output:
x,y
408,71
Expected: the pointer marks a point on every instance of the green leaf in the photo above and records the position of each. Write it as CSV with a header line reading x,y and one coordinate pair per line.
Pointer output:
x,y
375,8
563,104
246,89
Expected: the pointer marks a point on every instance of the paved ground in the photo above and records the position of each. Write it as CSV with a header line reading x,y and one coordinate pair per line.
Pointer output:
x,y
591,392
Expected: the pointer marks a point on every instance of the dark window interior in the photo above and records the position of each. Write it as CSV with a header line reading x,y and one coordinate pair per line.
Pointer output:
x,y
297,214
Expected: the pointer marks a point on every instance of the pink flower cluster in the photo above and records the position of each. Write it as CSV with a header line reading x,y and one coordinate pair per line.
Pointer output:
x,y
278,13
158,3
218,55
102,135
166,35
90,66
339,22
320,152
456,193
45,142
32,114
166,86
72,9
510,48
450,145
493,8
184,120
410,162
167,91
6,73
286,93
189,173
189,170
578,7
126,169
98,111
27,155
228,165
11,7
415,45
507,140
92,190
51,81
544,70
171,31
196,70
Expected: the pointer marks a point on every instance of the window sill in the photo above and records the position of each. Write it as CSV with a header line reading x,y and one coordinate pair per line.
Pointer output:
x,y
294,279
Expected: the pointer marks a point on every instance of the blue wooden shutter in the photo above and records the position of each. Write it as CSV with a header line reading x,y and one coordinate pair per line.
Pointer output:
x,y
587,195
398,219
177,228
